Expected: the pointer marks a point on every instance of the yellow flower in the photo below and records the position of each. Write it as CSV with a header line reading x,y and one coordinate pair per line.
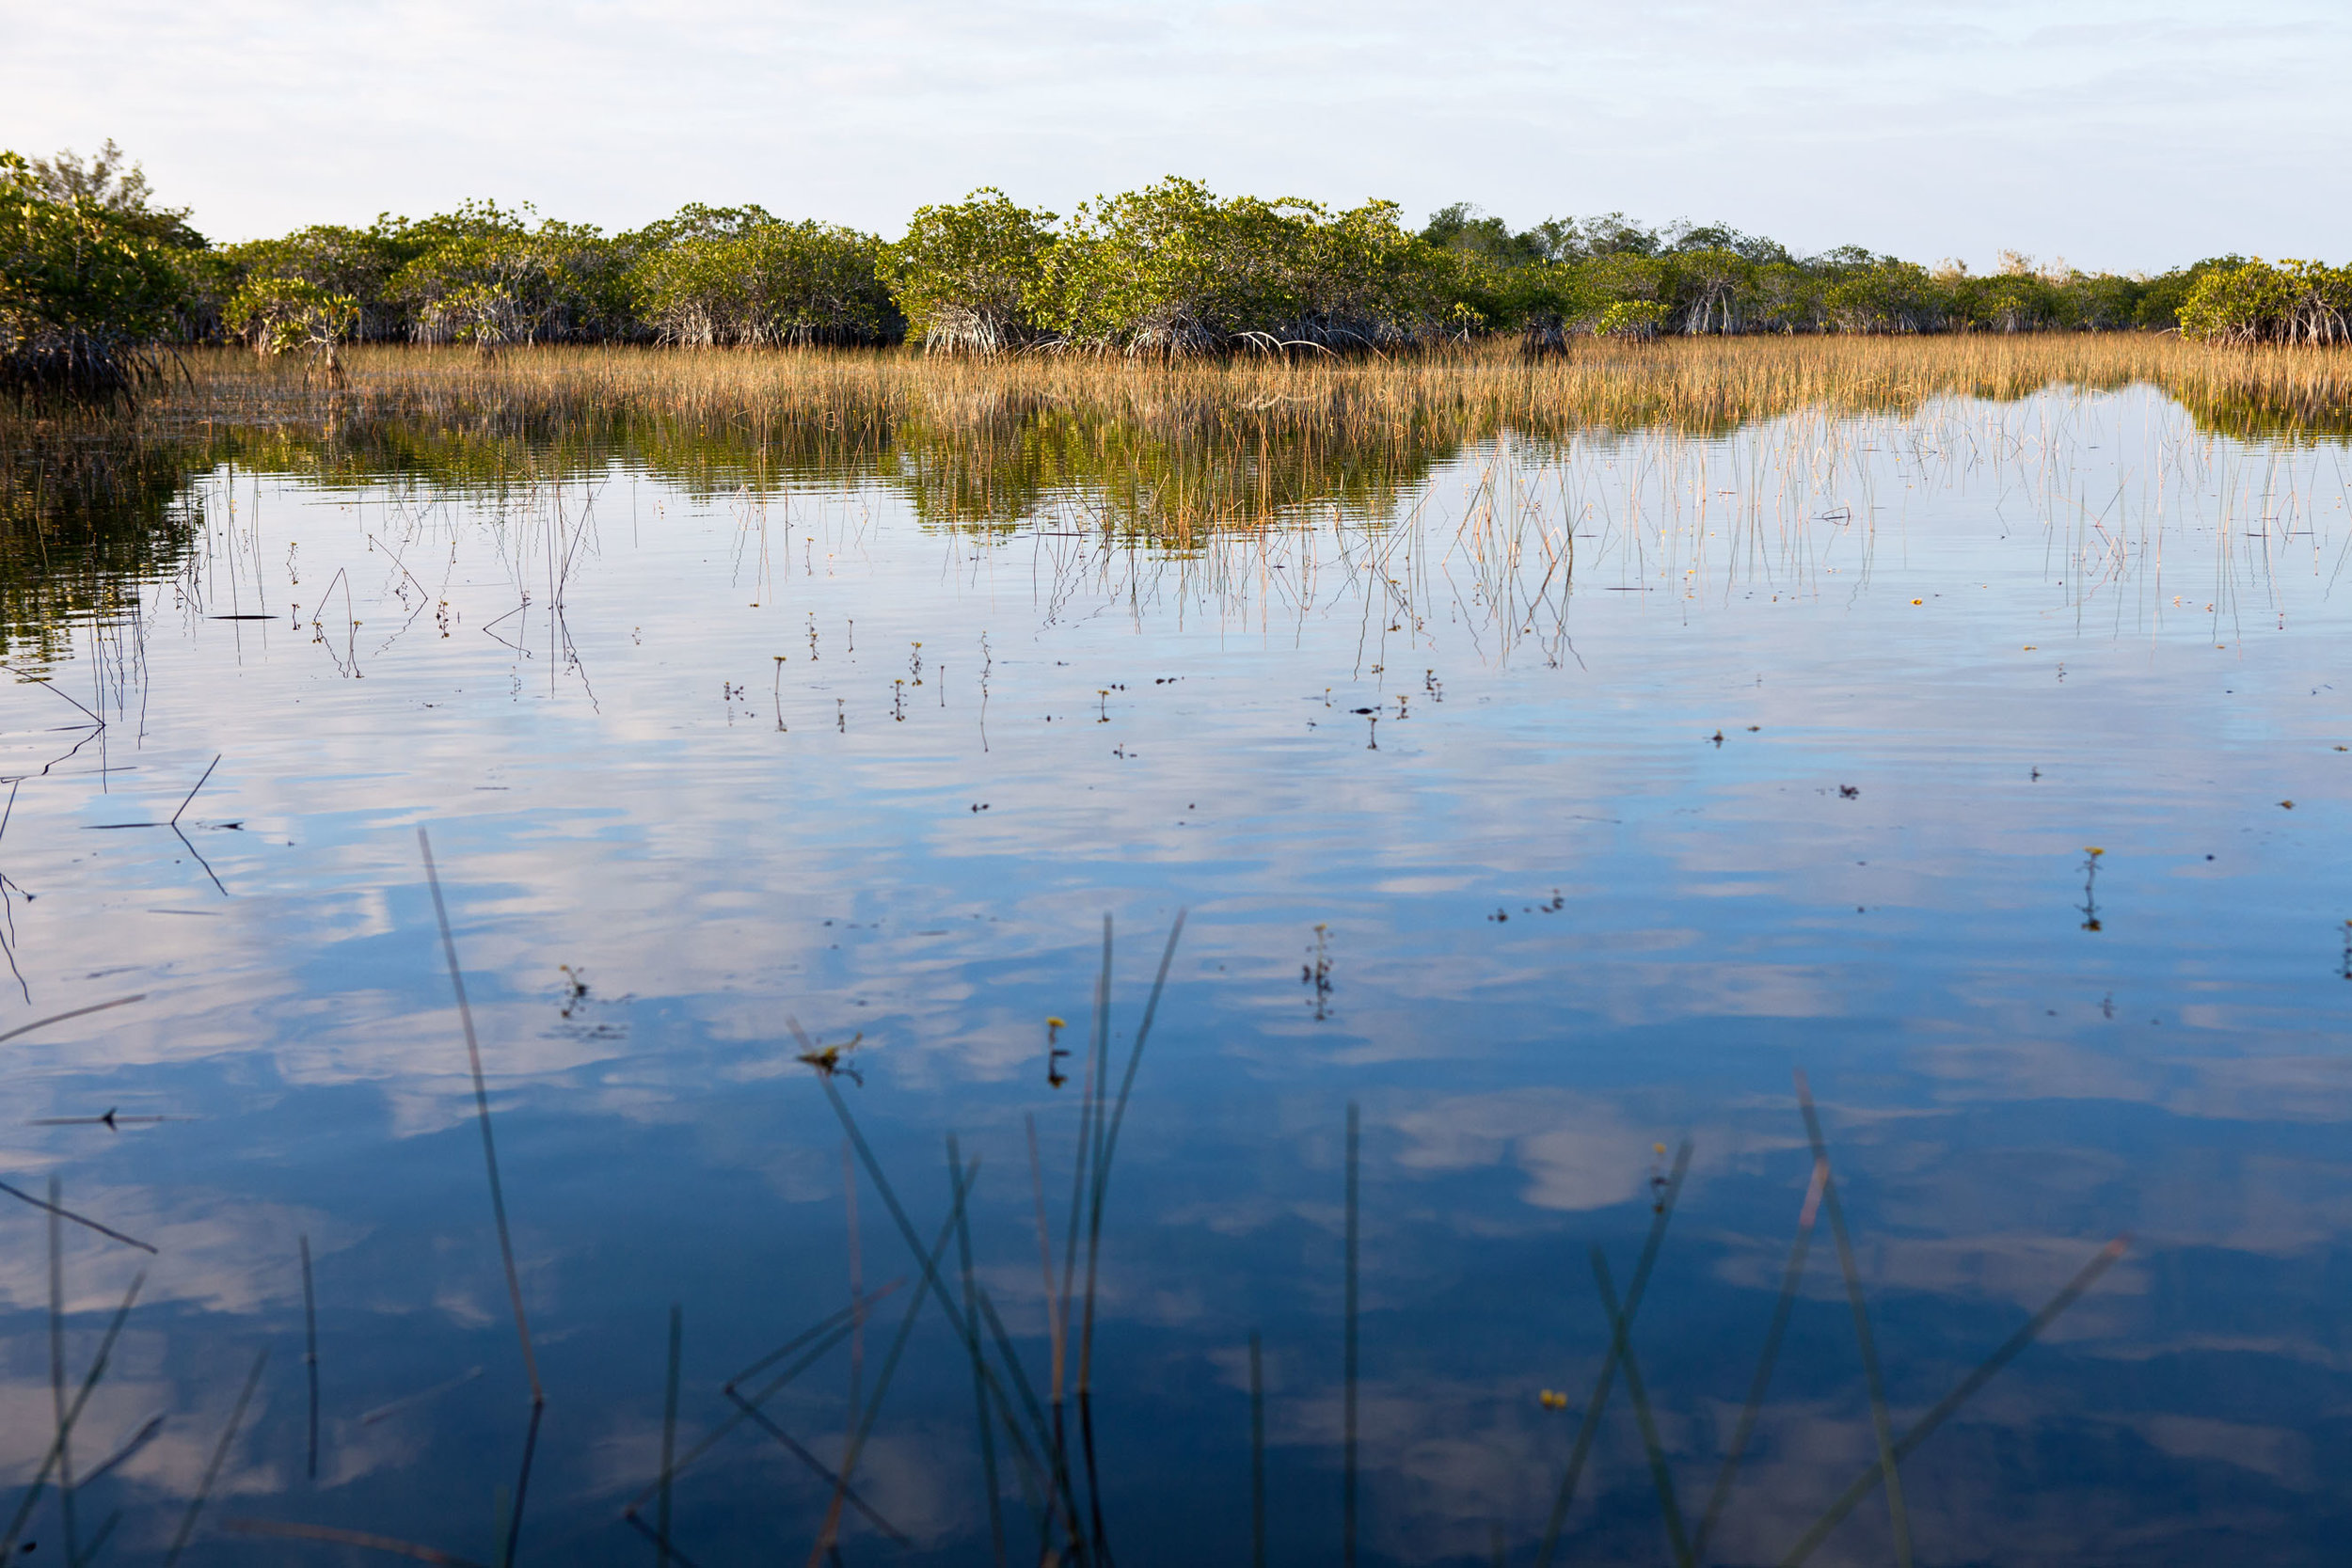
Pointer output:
x,y
2094,851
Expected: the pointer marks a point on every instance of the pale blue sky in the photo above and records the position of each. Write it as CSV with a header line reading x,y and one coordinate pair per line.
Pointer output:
x,y
2119,136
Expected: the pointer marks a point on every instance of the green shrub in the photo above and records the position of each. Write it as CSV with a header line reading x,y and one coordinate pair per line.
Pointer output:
x,y
964,274
1885,295
280,315
357,263
2294,302
1171,270
84,295
768,282
558,282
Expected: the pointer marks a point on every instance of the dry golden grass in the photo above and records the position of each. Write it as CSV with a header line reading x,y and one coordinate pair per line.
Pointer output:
x,y
1692,386
1172,450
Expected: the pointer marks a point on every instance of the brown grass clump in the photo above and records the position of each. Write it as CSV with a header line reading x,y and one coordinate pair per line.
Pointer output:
x,y
1172,450
1695,387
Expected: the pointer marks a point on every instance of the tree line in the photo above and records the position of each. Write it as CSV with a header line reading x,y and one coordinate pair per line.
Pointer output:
x,y
94,274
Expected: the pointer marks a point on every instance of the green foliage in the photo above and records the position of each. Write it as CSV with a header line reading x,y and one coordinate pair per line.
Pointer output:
x,y
278,315
2292,302
357,264
94,267
84,292
763,281
106,182
696,221
1171,270
1464,230
494,282
964,274
2162,296
1886,295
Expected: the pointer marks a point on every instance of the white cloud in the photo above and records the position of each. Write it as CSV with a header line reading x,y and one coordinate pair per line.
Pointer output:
x,y
2114,135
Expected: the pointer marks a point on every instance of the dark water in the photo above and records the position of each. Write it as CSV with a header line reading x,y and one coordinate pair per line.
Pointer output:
x,y
1554,813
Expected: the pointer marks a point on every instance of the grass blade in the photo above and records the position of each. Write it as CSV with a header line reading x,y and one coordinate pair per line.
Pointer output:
x,y
712,1438
662,1543
1347,1354
669,1429
1021,1386
482,1105
823,1325
1925,1427
987,1435
287,1530
1109,1139
83,1221
199,785
1781,1310
310,1353
1622,1347
60,1017
1589,1426
512,1535
1882,1425
1257,1453
818,1467
220,1456
139,1439
98,1370
57,1375
960,1183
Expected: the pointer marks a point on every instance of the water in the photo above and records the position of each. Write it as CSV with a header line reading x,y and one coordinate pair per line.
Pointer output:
x,y
1555,808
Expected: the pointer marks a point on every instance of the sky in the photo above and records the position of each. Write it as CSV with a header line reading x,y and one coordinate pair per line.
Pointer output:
x,y
2120,136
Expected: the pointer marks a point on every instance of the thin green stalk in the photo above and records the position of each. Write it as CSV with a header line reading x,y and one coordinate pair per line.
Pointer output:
x,y
1882,1424
1925,1427
1110,1139
898,1213
669,1429
864,1421
97,1543
1257,1454
1056,1485
511,1536
1588,1428
311,1354
1089,1090
139,1440
980,1387
633,1522
1107,1144
82,1220
822,1326
390,1546
822,1471
1347,1465
710,1439
220,1455
96,1369
1781,1310
482,1105
1622,1347
57,1375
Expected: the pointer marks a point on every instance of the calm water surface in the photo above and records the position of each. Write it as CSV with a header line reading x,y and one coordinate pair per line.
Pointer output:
x,y
1987,765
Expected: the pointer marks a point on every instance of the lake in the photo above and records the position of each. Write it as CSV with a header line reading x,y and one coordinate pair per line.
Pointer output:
x,y
1544,805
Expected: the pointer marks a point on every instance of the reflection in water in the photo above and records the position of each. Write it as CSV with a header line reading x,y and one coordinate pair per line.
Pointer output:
x,y
1547,790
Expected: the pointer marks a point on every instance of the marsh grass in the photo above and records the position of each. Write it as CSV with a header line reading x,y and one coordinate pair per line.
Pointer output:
x,y
1190,444
1209,464
1706,386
